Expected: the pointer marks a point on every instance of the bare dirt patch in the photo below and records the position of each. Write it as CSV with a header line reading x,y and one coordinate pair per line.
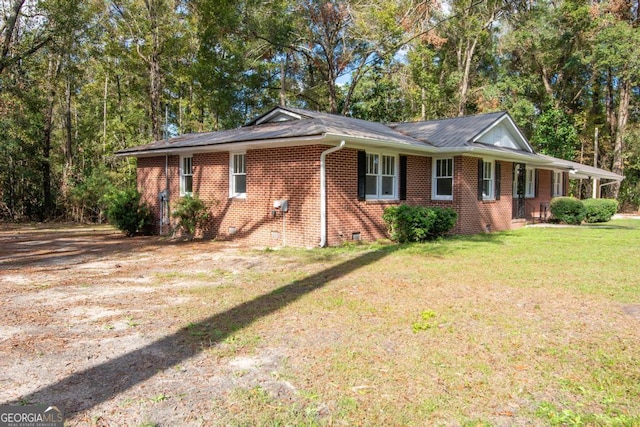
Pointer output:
x,y
85,325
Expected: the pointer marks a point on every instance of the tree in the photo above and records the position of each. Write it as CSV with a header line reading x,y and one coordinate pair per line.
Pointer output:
x,y
617,60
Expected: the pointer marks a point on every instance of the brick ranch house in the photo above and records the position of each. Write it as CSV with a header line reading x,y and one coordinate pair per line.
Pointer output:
x,y
304,178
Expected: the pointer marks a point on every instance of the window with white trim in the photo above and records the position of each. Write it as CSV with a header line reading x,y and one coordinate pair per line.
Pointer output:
x,y
558,184
442,188
238,175
530,183
382,176
186,175
487,180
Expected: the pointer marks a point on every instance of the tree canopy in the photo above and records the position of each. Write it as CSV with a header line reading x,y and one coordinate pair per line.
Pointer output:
x,y
80,80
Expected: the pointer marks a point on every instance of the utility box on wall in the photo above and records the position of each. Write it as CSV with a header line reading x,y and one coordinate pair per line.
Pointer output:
x,y
281,205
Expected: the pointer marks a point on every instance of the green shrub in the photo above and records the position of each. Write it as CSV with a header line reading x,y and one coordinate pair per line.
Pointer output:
x,y
418,223
192,213
568,210
125,211
600,210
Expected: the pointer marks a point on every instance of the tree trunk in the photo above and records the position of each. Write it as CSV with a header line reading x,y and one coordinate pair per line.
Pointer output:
x,y
10,23
283,81
155,76
463,92
68,146
621,124
45,164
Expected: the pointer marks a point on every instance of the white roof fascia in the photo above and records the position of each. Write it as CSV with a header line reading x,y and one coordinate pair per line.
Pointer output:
x,y
227,146
405,147
513,126
528,158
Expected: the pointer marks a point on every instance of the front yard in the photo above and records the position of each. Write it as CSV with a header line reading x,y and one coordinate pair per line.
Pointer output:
x,y
532,327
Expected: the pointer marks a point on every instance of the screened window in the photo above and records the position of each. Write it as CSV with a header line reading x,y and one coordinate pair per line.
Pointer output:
x,y
186,175
238,178
487,180
381,176
443,179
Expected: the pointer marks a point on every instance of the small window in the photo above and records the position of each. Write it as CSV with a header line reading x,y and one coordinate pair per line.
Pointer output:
x,y
442,179
558,184
186,175
530,183
381,176
487,180
238,175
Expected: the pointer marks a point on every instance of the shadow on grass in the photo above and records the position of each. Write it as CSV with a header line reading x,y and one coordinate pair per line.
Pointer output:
x,y
85,389
607,226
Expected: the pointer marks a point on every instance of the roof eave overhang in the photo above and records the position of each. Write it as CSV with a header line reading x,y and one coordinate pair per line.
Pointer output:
x,y
580,171
381,143
524,157
226,146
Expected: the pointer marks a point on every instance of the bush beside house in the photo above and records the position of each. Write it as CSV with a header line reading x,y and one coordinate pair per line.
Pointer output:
x,y
568,210
192,213
127,213
418,223
600,210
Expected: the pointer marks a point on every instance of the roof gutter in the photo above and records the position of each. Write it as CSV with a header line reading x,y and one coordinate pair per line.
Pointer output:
x,y
323,192
356,141
217,147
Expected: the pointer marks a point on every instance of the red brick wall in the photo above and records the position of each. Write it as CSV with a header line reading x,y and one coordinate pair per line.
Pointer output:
x,y
151,180
273,174
294,174
476,216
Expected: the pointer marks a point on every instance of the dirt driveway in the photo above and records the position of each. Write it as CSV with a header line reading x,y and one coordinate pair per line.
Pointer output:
x,y
86,324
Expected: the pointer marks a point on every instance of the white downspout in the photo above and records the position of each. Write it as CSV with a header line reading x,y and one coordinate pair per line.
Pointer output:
x,y
323,192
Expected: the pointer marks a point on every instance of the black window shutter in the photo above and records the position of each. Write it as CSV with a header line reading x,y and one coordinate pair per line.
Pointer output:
x,y
537,183
362,175
480,177
553,175
403,178
565,184
498,178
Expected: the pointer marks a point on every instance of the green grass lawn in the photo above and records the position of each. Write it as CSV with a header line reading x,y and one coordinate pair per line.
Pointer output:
x,y
536,326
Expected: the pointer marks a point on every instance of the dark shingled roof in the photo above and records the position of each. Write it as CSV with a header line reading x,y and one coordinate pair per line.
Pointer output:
x,y
311,124
455,132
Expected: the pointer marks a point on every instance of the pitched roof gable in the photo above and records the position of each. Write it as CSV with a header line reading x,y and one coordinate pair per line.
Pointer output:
x,y
497,129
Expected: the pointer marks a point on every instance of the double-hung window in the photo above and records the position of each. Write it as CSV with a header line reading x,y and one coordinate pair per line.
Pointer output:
x,y
558,184
186,175
238,175
442,179
487,180
382,176
530,183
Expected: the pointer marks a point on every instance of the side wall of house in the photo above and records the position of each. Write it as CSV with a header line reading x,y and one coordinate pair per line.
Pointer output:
x,y
292,174
152,179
